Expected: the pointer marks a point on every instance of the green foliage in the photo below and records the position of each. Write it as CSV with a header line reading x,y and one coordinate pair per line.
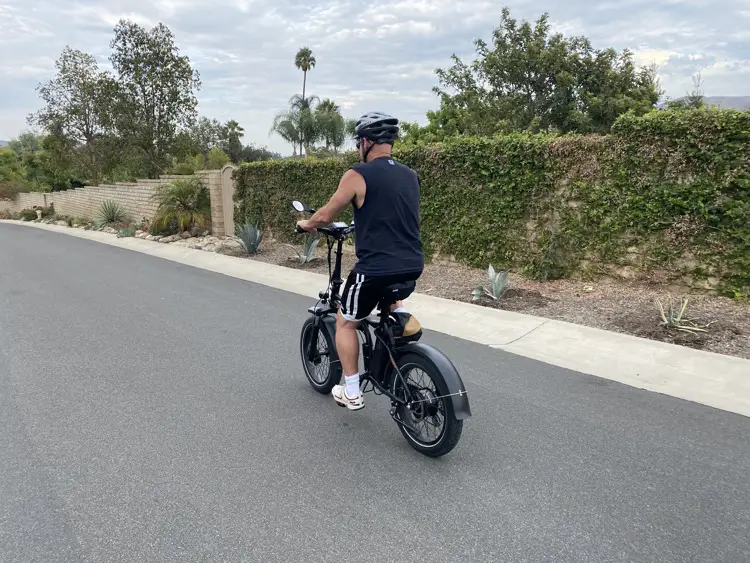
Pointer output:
x,y
127,231
530,80
498,285
674,184
216,159
182,203
28,215
155,89
250,237
306,253
12,181
110,213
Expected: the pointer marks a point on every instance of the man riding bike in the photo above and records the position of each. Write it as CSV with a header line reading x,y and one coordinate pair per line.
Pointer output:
x,y
384,195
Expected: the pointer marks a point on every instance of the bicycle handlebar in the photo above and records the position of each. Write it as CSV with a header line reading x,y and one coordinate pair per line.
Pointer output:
x,y
333,230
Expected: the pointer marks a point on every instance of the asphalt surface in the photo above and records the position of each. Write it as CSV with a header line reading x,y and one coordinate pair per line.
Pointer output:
x,y
151,411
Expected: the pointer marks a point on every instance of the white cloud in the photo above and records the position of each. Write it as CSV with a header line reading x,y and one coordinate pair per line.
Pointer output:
x,y
368,56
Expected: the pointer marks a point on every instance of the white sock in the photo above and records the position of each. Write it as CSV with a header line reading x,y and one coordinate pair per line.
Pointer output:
x,y
399,310
352,385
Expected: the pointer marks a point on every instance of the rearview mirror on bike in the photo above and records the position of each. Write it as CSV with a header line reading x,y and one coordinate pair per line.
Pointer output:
x,y
302,207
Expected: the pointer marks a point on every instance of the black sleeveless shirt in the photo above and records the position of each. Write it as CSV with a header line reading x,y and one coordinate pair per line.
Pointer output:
x,y
387,224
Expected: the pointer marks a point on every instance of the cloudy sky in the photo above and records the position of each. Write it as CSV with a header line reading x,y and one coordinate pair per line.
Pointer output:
x,y
370,55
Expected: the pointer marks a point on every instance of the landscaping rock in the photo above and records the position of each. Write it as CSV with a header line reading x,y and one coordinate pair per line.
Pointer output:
x,y
230,247
61,223
206,233
186,235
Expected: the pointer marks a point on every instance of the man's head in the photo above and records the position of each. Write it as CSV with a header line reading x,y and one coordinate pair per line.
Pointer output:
x,y
375,133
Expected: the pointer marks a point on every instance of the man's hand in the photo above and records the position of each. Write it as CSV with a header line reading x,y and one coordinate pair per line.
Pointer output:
x,y
305,225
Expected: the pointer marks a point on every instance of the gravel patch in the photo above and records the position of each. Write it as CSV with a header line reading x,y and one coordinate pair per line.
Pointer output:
x,y
620,306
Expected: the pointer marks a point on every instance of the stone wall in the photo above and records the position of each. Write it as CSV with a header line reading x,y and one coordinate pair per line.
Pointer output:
x,y
134,197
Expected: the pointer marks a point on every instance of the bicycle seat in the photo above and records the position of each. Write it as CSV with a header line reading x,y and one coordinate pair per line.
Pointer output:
x,y
397,292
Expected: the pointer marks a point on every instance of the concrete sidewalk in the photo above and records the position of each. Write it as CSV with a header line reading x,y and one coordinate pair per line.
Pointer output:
x,y
711,379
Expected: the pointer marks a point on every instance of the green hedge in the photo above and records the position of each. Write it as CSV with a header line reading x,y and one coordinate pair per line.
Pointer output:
x,y
667,192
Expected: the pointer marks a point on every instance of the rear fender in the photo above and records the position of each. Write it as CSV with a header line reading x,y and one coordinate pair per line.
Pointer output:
x,y
456,387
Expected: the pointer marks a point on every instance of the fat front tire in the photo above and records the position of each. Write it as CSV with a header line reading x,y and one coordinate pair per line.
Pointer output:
x,y
428,409
322,373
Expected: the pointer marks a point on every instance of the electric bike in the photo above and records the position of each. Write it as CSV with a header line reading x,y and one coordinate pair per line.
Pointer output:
x,y
428,399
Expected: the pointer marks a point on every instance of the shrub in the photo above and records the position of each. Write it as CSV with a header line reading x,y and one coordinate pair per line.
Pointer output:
x,y
28,215
182,203
672,184
216,158
126,231
110,212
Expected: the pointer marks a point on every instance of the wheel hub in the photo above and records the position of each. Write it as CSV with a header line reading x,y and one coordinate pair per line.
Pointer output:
x,y
424,404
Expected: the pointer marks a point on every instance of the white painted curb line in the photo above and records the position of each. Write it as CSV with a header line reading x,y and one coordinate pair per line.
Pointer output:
x,y
711,379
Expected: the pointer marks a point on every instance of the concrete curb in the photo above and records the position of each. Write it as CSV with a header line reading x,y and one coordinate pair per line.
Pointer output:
x,y
711,379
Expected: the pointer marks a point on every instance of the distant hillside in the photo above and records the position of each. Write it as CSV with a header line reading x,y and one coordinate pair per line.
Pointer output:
x,y
725,102
729,102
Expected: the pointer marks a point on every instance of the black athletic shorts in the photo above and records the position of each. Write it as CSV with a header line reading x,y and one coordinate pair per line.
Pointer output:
x,y
362,293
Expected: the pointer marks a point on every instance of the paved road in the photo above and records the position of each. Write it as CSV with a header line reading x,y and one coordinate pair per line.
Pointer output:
x,y
150,411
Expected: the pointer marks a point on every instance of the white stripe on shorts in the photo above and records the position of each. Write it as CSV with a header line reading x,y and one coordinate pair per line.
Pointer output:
x,y
355,300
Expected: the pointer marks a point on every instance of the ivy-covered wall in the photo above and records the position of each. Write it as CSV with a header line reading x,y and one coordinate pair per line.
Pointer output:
x,y
667,193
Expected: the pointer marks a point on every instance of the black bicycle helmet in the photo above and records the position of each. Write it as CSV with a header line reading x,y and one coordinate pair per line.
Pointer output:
x,y
377,127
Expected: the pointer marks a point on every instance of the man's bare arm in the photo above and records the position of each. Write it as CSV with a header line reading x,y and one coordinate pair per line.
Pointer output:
x,y
350,185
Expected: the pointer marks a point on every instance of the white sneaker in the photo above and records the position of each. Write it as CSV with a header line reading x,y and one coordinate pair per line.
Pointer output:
x,y
344,400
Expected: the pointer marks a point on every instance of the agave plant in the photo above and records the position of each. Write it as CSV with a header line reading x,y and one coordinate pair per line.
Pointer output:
x,y
184,203
110,212
498,285
307,252
250,237
675,318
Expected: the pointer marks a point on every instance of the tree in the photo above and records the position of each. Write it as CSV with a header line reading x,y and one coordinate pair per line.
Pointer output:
x,y
155,93
251,153
76,101
693,100
216,159
305,61
331,125
231,133
286,126
527,80
27,142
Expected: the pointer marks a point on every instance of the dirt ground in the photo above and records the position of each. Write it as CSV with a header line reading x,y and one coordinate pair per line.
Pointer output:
x,y
619,306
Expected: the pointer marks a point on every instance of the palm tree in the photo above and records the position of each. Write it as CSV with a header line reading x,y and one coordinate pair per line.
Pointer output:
x,y
302,107
286,126
331,125
304,61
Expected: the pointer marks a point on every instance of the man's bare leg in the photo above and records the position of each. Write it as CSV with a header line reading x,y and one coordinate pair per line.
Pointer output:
x,y
347,345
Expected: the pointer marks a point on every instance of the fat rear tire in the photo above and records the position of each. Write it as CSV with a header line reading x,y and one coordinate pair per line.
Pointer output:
x,y
452,427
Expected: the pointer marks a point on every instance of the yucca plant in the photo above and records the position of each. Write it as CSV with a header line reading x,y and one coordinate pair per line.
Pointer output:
x,y
674,318
250,237
307,252
110,212
184,203
498,285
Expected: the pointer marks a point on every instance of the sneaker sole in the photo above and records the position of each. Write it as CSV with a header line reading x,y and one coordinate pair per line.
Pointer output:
x,y
346,406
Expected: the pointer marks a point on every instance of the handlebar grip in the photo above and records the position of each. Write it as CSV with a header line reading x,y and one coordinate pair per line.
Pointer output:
x,y
299,230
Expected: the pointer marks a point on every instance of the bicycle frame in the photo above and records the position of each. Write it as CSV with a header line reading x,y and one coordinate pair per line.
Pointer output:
x,y
331,301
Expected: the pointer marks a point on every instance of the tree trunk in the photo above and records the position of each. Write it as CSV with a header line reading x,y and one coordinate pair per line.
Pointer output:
x,y
304,83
